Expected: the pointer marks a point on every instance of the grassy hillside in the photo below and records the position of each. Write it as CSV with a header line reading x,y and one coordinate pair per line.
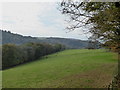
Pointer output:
x,y
70,68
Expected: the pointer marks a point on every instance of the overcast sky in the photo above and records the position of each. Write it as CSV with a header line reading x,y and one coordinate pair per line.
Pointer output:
x,y
38,19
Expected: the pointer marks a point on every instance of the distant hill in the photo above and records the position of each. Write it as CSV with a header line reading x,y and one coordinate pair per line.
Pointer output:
x,y
71,43
8,37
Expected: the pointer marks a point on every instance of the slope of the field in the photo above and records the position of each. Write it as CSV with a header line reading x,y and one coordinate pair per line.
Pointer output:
x,y
66,69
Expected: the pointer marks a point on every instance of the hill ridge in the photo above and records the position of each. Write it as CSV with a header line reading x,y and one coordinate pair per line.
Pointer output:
x,y
8,37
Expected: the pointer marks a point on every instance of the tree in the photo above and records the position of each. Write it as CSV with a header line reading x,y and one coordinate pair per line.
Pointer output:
x,y
10,55
102,19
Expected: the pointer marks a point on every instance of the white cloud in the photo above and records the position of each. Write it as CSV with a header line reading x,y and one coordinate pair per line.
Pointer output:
x,y
35,19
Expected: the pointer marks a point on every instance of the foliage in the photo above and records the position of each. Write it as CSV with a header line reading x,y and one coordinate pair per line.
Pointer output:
x,y
16,54
101,18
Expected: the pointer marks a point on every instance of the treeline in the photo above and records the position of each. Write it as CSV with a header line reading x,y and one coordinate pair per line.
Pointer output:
x,y
13,55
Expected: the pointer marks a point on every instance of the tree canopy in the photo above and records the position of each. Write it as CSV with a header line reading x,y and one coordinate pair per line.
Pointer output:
x,y
102,19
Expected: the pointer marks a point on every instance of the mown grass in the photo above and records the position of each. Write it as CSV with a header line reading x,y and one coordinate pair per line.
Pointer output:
x,y
67,69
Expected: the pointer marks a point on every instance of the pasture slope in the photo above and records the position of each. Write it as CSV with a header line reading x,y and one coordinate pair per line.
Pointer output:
x,y
67,69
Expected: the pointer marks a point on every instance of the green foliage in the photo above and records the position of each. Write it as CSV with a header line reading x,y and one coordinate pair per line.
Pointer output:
x,y
102,19
10,55
14,55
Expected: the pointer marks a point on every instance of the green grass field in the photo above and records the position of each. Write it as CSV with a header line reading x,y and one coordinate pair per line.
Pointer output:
x,y
66,69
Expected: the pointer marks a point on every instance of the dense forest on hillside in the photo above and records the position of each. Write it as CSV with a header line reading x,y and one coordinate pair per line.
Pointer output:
x,y
8,37
13,55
